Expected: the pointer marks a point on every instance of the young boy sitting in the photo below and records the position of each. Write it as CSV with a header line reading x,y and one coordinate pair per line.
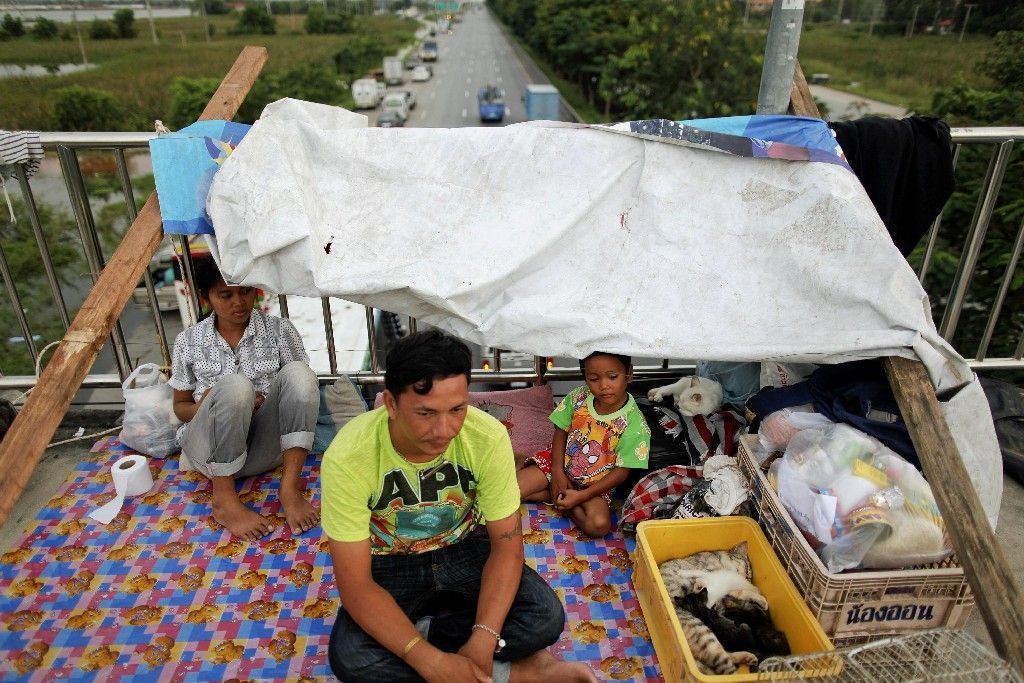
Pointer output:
x,y
599,434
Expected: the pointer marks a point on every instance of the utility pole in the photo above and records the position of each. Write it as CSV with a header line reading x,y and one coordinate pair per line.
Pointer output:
x,y
874,17
913,20
78,32
746,13
152,24
780,57
963,28
839,13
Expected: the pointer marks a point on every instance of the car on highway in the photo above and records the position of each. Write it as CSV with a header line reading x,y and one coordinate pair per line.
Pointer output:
x,y
390,119
410,98
420,73
397,101
428,51
491,101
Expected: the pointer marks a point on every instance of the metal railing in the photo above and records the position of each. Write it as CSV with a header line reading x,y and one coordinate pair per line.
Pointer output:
x,y
65,147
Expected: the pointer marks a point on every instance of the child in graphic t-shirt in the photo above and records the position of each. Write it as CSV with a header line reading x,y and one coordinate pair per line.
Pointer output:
x,y
599,435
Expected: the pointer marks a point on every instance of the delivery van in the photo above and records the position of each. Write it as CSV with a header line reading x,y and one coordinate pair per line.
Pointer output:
x,y
366,93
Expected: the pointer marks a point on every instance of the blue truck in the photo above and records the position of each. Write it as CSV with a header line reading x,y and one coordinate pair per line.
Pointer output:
x,y
542,102
491,101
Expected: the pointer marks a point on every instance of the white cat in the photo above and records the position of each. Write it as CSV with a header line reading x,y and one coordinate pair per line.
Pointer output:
x,y
692,395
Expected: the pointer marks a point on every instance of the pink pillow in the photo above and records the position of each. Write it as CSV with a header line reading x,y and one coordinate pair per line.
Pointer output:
x,y
524,412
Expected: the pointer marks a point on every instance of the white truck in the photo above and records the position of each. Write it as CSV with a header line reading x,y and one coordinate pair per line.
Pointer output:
x,y
366,93
397,101
393,71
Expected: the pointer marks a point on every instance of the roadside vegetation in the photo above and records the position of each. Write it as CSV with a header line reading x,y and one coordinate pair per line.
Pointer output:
x,y
140,76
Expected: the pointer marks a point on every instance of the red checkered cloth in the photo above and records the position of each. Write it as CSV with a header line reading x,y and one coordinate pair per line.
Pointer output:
x,y
656,495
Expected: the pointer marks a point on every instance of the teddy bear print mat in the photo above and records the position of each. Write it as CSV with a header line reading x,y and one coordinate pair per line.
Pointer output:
x,y
163,593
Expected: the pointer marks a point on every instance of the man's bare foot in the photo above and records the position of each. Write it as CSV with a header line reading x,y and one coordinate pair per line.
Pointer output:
x,y
240,520
541,667
299,512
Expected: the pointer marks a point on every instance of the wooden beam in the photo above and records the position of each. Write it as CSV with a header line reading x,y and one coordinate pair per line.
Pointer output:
x,y
801,101
976,545
46,406
983,560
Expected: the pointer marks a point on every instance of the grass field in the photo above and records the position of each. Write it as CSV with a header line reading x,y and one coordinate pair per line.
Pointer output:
x,y
891,68
140,73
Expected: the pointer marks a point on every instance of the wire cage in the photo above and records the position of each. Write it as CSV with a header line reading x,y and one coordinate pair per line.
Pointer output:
x,y
934,655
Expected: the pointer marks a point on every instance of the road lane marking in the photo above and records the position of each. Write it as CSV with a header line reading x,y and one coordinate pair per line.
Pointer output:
x,y
467,95
463,113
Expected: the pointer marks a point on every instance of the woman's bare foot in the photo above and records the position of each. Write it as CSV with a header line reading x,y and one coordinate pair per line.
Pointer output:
x,y
240,520
541,667
234,514
299,512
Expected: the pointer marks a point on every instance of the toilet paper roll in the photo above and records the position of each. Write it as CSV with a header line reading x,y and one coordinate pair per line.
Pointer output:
x,y
131,478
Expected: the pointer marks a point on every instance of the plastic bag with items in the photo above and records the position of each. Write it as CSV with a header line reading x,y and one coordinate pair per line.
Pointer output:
x,y
150,425
780,427
860,503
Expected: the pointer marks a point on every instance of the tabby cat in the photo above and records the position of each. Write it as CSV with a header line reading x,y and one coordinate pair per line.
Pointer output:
x,y
739,625
712,591
707,649
680,575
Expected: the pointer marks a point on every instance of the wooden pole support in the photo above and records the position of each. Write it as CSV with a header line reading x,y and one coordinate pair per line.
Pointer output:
x,y
46,406
984,563
983,560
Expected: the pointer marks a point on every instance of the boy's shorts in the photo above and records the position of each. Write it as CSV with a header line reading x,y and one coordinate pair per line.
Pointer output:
x,y
542,460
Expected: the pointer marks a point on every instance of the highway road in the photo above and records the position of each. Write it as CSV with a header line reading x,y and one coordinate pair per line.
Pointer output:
x,y
475,54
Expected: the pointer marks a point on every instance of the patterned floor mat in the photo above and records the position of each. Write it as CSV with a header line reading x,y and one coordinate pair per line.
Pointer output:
x,y
162,593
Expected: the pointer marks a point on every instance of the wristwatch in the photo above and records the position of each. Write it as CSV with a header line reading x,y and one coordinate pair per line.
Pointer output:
x,y
497,636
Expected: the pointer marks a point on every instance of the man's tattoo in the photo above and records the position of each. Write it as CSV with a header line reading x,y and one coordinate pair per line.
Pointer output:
x,y
518,531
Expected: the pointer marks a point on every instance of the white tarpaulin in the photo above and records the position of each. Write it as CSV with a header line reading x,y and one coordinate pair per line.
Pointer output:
x,y
561,239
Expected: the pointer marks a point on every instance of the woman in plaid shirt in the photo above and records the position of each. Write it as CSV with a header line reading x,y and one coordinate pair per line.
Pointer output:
x,y
249,400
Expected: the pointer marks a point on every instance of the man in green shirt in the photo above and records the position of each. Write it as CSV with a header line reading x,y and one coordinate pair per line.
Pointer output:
x,y
421,508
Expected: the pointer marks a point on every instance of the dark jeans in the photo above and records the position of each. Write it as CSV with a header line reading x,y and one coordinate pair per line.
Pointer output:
x,y
534,621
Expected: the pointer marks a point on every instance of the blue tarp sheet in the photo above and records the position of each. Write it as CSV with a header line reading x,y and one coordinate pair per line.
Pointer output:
x,y
184,164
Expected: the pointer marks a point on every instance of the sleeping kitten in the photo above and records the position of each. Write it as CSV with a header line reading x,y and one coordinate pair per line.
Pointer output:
x,y
678,575
707,649
692,395
766,640
739,624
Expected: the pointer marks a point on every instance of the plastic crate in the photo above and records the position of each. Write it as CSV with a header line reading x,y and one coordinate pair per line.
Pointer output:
x,y
662,540
856,606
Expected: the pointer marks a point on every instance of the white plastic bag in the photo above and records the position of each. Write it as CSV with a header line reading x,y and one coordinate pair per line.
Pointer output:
x,y
863,504
150,425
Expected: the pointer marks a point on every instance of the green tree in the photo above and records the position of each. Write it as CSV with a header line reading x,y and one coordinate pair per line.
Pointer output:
x,y
579,36
962,105
686,59
310,82
357,55
102,30
124,20
25,263
12,27
189,97
319,21
211,6
1004,62
254,19
87,109
45,29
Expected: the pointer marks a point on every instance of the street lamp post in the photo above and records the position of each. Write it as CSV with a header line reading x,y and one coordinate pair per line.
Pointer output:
x,y
963,28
